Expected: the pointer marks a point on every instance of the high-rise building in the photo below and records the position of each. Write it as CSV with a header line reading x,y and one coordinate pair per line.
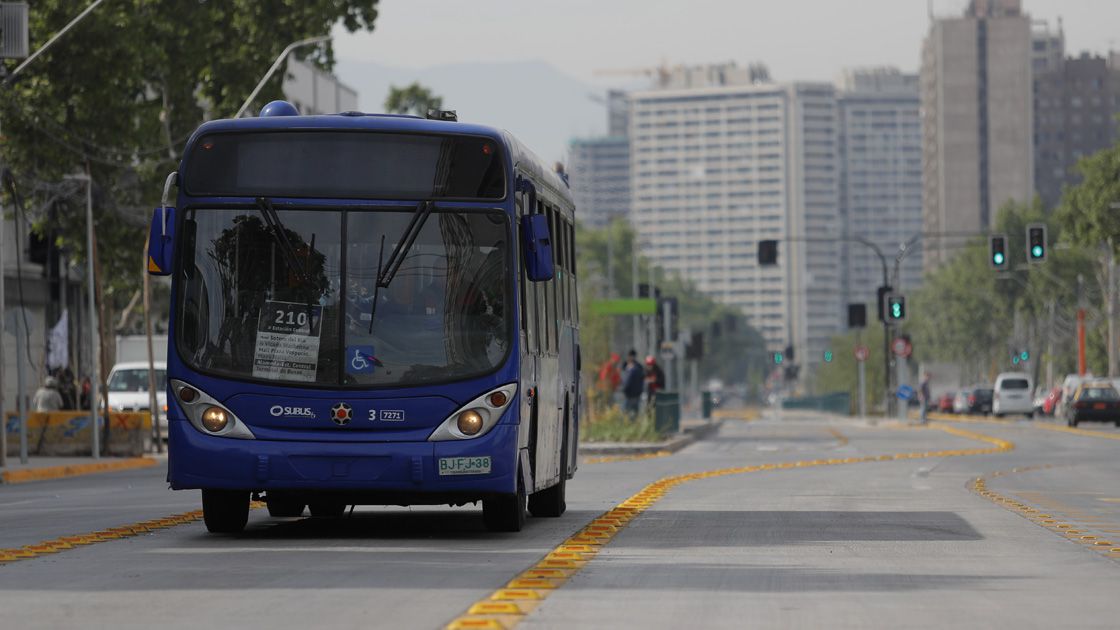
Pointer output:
x,y
599,170
976,86
881,177
1076,103
731,160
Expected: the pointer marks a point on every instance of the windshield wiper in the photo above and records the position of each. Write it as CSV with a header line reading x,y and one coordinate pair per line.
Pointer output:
x,y
376,287
419,218
280,235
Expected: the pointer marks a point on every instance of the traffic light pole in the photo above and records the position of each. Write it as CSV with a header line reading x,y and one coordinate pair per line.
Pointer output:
x,y
886,327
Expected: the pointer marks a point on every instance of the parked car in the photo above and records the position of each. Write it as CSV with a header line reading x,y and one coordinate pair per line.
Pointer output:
x,y
979,400
1012,395
1069,387
1094,401
960,401
945,403
128,386
1050,402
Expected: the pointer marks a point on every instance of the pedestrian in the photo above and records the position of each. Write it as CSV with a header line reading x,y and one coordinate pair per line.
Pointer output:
x,y
609,375
655,379
87,390
633,381
67,388
924,395
47,397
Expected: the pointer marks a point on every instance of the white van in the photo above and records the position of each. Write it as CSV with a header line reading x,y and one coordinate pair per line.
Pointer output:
x,y
1012,395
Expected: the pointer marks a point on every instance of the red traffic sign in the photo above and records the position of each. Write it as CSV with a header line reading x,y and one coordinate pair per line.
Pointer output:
x,y
902,347
862,353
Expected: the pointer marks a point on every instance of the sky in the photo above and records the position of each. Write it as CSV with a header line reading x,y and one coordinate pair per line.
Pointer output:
x,y
797,39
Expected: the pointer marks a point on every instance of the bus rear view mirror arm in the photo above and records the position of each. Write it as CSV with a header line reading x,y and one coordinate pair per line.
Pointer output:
x,y
161,236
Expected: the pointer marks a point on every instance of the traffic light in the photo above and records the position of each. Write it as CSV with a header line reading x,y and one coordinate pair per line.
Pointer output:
x,y
778,358
1015,360
997,252
882,293
1025,356
1036,242
767,253
828,356
857,316
896,308
789,352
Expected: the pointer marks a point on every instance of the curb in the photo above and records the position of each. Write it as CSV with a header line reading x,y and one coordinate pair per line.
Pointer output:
x,y
73,470
672,445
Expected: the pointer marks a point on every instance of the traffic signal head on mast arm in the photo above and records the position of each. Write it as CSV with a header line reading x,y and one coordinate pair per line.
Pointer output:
x,y
997,251
1036,242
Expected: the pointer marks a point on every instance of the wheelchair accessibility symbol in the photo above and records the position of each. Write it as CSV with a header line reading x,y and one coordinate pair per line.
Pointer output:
x,y
361,360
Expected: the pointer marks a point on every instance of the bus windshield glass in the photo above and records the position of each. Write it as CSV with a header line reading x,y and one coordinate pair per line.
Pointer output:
x,y
345,164
244,312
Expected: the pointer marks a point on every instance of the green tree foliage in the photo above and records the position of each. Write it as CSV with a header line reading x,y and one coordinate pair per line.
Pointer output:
x,y
119,95
412,99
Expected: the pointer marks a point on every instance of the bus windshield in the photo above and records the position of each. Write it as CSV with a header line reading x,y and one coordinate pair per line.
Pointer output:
x,y
244,312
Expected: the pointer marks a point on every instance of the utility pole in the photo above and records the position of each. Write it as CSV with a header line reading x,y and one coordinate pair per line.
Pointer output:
x,y
1110,298
94,335
1081,325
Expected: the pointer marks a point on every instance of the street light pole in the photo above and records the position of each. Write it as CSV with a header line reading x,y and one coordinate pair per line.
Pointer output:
x,y
275,65
94,338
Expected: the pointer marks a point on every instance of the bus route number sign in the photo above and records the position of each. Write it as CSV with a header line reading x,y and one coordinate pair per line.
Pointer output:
x,y
288,341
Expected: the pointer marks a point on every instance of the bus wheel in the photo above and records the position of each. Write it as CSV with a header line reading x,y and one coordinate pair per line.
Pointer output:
x,y
281,506
550,501
505,513
225,511
327,509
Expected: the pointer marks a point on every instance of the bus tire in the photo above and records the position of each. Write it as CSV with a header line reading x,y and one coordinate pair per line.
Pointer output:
x,y
327,509
225,511
551,502
505,513
284,507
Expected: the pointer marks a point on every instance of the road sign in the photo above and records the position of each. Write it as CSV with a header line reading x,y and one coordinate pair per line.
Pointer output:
x,y
905,392
862,353
902,348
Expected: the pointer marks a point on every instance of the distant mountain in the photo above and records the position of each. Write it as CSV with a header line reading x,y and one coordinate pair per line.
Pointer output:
x,y
536,102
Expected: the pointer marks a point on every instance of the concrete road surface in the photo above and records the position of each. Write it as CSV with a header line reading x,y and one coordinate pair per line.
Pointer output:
x,y
825,538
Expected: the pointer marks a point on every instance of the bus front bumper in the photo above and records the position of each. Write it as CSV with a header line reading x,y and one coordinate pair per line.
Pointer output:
x,y
390,472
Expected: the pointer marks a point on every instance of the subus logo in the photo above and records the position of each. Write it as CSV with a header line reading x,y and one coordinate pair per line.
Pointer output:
x,y
303,412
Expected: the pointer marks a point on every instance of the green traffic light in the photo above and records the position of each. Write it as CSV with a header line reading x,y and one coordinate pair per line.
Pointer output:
x,y
1025,356
778,358
896,310
998,258
828,356
1015,360
1036,251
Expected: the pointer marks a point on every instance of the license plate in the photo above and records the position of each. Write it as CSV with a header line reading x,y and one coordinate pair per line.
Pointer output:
x,y
1100,406
464,465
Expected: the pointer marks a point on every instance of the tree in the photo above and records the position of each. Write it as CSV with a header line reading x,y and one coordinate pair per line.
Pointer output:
x,y
119,96
412,99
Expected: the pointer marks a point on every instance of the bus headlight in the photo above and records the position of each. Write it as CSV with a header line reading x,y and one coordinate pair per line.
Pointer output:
x,y
208,415
215,419
470,422
477,417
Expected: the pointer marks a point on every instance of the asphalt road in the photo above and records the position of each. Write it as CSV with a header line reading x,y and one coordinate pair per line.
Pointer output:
x,y
831,540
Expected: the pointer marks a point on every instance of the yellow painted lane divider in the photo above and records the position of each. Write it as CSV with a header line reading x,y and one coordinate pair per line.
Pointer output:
x,y
507,606
74,470
63,543
1064,529
1037,424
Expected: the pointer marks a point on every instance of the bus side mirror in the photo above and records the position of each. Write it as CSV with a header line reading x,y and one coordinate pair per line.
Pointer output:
x,y
161,242
536,247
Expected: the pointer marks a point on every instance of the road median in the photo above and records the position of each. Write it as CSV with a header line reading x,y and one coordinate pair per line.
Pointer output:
x,y
690,432
72,469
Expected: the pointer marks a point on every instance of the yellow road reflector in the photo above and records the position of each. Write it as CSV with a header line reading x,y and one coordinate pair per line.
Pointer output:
x,y
495,608
553,574
513,594
481,623
533,583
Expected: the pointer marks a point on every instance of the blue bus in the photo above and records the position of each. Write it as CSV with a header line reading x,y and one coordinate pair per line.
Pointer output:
x,y
368,309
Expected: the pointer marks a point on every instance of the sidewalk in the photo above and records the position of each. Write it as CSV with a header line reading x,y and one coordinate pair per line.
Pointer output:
x,y
39,468
692,429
